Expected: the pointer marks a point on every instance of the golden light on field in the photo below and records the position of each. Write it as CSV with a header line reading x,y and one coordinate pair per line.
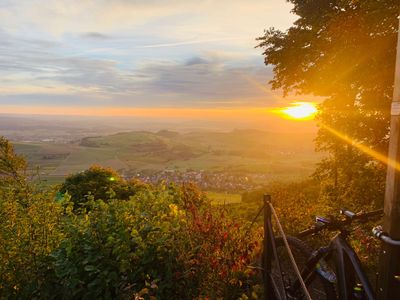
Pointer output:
x,y
299,111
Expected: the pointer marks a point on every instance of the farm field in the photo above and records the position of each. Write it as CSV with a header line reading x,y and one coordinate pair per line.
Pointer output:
x,y
223,198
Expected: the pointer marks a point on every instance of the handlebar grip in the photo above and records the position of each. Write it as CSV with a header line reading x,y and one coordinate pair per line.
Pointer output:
x,y
384,237
377,231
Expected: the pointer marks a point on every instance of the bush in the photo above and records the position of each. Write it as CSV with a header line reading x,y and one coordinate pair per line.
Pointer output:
x,y
29,232
161,242
99,183
165,243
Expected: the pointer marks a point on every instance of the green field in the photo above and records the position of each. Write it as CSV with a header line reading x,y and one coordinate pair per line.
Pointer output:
x,y
280,156
223,198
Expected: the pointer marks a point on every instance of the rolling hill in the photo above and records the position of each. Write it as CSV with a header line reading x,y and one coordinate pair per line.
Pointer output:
x,y
282,155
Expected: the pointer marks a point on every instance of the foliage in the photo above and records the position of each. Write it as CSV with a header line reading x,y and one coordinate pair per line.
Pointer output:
x,y
100,183
165,242
28,235
343,51
115,249
297,204
12,172
12,166
216,252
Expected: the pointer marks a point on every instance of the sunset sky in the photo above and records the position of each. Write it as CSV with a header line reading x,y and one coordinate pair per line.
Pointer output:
x,y
125,57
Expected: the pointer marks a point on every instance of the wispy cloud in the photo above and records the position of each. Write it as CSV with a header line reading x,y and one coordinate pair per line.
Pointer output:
x,y
96,36
193,42
135,53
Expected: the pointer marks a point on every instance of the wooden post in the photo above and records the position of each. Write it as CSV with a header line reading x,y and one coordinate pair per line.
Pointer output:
x,y
389,269
267,253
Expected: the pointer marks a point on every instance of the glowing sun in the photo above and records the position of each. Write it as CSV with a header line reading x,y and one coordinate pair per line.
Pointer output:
x,y
299,111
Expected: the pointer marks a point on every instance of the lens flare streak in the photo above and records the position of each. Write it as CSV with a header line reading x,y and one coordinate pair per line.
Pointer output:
x,y
365,149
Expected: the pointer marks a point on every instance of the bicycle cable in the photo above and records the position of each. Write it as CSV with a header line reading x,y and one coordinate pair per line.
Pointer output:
x,y
296,269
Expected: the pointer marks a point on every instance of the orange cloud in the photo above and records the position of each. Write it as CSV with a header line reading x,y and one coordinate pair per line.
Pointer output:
x,y
181,113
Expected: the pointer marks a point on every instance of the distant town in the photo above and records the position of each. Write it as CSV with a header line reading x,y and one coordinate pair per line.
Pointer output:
x,y
206,180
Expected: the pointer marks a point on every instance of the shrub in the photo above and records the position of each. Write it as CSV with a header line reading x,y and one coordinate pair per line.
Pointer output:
x,y
29,232
166,242
100,183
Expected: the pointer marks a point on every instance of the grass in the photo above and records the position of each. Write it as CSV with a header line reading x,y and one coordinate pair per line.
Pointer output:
x,y
223,198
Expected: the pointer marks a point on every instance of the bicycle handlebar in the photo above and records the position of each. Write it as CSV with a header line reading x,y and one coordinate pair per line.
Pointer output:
x,y
337,224
383,236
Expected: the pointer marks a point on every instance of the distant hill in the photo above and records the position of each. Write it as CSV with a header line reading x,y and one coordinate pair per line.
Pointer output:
x,y
252,151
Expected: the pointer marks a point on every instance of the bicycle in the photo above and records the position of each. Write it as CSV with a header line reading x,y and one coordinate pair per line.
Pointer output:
x,y
347,281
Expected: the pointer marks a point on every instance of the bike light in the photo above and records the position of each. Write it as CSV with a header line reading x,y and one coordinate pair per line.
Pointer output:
x,y
347,213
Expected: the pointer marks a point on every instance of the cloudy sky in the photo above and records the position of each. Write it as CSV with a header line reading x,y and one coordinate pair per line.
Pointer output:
x,y
122,56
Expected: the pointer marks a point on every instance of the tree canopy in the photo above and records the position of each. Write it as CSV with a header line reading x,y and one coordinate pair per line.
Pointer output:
x,y
343,51
99,183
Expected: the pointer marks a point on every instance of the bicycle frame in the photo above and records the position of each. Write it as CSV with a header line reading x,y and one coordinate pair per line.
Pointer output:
x,y
348,268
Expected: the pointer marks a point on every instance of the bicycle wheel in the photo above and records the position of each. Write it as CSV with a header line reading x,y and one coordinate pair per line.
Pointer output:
x,y
319,287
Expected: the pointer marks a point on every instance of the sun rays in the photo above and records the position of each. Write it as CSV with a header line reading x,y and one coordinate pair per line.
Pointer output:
x,y
299,111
